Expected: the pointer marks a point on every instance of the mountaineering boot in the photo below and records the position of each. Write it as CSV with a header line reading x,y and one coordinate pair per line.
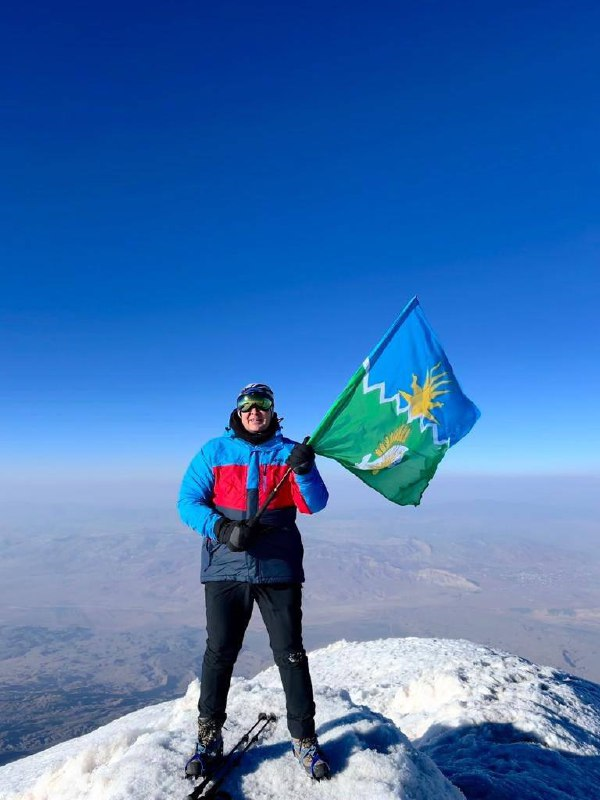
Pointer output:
x,y
310,757
209,749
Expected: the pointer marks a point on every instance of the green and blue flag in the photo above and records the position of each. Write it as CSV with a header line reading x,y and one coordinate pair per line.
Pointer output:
x,y
400,412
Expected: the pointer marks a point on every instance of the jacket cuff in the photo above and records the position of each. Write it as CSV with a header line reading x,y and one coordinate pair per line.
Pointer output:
x,y
218,529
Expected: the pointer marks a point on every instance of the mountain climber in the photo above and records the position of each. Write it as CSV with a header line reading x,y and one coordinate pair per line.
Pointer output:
x,y
247,560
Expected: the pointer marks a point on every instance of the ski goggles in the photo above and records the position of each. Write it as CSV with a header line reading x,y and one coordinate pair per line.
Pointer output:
x,y
248,401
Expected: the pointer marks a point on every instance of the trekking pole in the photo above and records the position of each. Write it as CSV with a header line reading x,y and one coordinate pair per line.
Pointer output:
x,y
272,493
199,789
214,792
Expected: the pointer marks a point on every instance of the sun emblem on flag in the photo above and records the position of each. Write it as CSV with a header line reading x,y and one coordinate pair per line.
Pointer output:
x,y
423,400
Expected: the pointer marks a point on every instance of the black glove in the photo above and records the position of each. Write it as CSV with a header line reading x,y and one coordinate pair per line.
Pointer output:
x,y
301,459
236,535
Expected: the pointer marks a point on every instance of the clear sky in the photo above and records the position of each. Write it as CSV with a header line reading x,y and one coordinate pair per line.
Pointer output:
x,y
198,195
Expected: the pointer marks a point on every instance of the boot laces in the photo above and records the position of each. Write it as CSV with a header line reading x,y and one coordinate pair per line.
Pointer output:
x,y
307,750
209,733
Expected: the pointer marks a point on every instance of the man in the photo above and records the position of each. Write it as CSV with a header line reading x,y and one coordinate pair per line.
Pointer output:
x,y
222,490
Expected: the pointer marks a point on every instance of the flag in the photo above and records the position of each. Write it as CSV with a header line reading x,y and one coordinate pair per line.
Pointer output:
x,y
400,412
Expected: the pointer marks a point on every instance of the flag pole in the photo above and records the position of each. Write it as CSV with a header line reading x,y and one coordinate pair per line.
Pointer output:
x,y
272,493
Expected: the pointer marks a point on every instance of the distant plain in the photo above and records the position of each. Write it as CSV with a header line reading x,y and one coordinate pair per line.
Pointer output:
x,y
101,609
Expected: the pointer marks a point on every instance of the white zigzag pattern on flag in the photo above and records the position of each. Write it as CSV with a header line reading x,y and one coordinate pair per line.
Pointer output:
x,y
399,409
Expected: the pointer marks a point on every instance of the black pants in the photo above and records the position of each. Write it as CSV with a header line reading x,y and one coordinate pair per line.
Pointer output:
x,y
228,610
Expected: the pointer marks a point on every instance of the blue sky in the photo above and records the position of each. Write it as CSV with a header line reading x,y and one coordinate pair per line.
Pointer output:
x,y
195,196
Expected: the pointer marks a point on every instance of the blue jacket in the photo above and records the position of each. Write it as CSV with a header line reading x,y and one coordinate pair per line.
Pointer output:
x,y
231,478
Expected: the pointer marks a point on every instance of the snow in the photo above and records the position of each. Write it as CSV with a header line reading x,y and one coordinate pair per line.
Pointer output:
x,y
419,719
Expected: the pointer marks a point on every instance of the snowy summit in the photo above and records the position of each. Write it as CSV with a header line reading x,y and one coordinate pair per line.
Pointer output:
x,y
420,719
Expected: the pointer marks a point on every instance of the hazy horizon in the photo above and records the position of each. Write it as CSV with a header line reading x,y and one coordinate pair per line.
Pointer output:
x,y
102,609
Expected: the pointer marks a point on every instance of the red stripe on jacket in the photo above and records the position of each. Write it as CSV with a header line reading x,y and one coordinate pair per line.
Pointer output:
x,y
288,495
230,487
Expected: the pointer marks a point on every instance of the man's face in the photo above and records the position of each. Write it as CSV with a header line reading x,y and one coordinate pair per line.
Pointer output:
x,y
255,420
